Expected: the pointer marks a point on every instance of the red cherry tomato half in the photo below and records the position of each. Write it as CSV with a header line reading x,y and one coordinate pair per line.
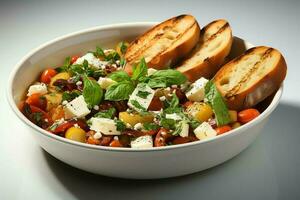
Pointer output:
x,y
47,75
74,58
37,100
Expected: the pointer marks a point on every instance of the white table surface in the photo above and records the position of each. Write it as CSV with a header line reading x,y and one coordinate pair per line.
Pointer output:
x,y
268,169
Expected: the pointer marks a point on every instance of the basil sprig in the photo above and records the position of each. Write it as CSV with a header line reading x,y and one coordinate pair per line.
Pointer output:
x,y
126,84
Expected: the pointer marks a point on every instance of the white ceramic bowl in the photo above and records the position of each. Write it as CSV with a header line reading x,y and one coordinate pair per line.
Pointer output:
x,y
151,163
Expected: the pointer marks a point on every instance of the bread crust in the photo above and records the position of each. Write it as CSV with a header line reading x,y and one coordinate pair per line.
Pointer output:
x,y
211,64
173,51
260,90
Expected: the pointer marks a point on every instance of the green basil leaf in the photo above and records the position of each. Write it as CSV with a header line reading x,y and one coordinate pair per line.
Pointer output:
x,y
110,113
119,91
99,52
140,70
215,99
119,76
92,92
166,78
112,56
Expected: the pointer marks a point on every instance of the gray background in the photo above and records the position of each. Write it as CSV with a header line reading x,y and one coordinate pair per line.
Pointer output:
x,y
268,169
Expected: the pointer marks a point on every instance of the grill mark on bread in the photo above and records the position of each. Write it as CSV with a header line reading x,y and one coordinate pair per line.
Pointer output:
x,y
231,93
143,48
213,36
158,36
176,39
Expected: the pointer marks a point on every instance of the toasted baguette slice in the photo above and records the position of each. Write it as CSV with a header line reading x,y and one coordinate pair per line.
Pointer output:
x,y
165,43
250,78
206,59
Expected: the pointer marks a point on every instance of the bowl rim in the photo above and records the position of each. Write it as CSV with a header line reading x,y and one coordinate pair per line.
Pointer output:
x,y
9,94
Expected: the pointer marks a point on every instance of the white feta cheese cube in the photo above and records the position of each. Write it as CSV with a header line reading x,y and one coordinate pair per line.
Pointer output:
x,y
92,60
197,92
142,142
76,108
105,82
174,116
141,97
184,129
105,126
40,88
205,131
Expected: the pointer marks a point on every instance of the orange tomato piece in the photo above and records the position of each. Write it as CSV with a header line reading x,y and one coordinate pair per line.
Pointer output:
x,y
47,75
223,129
247,115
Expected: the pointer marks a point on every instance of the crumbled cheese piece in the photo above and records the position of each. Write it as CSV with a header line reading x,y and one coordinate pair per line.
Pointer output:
x,y
116,138
76,108
142,142
151,71
97,135
197,92
162,98
92,60
78,83
104,125
143,103
76,125
128,125
96,107
105,82
173,86
64,102
205,131
40,88
138,126
118,62
173,116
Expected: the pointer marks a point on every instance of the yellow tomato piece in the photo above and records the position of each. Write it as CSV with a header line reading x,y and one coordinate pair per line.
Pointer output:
x,y
134,118
200,111
233,115
76,134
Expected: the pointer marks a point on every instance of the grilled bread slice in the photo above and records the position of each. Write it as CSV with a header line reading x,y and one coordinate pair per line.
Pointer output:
x,y
250,78
206,59
165,43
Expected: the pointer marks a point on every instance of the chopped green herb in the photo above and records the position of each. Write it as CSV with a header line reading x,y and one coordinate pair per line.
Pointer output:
x,y
137,105
143,94
69,96
120,125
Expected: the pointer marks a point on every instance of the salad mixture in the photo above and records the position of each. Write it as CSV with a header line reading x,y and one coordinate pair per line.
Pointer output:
x,y
91,99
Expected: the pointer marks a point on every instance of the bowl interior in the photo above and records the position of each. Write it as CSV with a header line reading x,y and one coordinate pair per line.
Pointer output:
x,y
53,53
